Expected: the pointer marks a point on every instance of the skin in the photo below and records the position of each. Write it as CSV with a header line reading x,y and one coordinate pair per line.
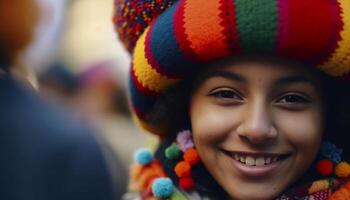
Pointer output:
x,y
257,108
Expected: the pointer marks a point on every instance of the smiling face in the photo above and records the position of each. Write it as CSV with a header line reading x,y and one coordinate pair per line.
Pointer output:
x,y
257,126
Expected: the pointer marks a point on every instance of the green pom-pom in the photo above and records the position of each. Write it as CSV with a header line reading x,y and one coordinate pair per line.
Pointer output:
x,y
172,152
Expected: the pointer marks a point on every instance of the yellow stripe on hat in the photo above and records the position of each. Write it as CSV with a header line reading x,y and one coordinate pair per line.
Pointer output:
x,y
339,63
144,72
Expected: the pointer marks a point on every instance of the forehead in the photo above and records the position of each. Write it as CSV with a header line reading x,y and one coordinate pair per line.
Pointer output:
x,y
250,70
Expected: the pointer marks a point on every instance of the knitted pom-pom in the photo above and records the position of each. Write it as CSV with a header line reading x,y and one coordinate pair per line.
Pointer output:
x,y
162,187
186,183
347,185
184,140
324,167
341,194
172,152
342,170
143,156
135,171
331,151
191,156
318,186
183,169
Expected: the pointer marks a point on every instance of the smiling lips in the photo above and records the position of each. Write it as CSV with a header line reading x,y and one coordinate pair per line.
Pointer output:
x,y
252,160
255,164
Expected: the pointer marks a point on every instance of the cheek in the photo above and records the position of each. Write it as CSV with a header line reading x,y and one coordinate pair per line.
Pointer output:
x,y
302,129
212,124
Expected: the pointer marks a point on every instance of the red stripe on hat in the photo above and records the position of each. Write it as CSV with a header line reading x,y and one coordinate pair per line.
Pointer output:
x,y
180,33
310,30
140,90
150,57
283,23
337,26
230,24
148,52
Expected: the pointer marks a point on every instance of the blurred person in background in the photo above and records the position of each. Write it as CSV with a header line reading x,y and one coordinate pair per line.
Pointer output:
x,y
41,53
58,84
102,100
45,153
91,77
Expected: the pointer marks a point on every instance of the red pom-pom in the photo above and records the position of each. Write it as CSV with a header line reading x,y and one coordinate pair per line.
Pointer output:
x,y
191,156
186,183
183,169
324,167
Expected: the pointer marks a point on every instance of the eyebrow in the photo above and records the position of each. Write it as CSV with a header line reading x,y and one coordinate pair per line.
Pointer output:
x,y
282,81
224,74
296,79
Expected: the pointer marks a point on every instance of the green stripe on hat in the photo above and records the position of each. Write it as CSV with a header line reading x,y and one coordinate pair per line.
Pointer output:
x,y
257,25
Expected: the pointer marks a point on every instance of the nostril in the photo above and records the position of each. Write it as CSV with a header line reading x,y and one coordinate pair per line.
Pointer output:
x,y
257,122
257,135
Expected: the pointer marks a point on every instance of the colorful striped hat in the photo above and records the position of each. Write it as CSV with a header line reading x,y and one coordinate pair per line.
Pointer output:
x,y
132,17
173,45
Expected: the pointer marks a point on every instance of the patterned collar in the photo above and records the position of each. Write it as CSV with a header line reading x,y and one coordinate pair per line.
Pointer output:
x,y
323,189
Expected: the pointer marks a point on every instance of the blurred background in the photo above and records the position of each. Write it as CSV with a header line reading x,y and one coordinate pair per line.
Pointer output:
x,y
76,60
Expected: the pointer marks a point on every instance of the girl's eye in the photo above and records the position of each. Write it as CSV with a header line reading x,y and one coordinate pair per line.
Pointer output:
x,y
293,99
226,94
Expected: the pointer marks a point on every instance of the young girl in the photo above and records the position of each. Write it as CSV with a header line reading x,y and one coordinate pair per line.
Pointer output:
x,y
249,98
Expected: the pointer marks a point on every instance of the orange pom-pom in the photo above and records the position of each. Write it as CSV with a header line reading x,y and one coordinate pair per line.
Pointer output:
x,y
158,169
183,169
146,178
347,185
342,170
186,183
342,193
135,171
324,167
191,156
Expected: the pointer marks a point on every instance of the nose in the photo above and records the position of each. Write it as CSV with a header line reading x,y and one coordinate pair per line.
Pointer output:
x,y
257,124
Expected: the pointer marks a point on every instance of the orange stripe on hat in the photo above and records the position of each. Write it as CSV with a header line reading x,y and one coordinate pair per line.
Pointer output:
x,y
202,24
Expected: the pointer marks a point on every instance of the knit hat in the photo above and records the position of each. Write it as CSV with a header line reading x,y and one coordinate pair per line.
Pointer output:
x,y
132,17
174,38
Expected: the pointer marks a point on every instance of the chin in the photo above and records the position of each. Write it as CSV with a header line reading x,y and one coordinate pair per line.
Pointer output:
x,y
253,196
254,191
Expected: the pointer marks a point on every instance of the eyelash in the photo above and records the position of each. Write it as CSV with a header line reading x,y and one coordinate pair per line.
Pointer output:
x,y
226,94
289,99
299,99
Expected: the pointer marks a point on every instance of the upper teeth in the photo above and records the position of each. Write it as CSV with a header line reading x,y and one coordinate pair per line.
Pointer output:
x,y
257,161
